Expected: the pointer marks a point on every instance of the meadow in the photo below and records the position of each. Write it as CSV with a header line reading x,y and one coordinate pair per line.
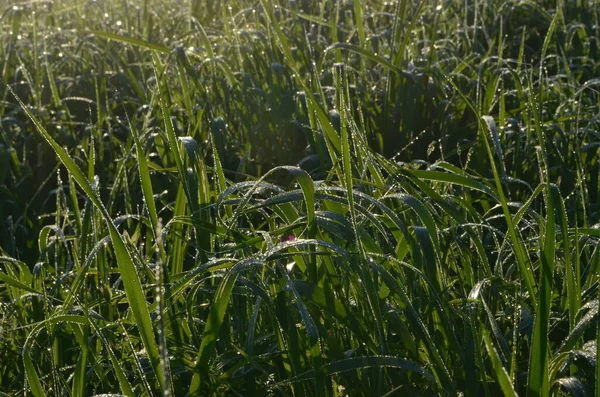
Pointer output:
x,y
299,198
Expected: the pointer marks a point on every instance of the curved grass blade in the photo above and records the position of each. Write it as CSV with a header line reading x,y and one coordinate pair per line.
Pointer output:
x,y
454,179
570,341
572,385
420,209
131,281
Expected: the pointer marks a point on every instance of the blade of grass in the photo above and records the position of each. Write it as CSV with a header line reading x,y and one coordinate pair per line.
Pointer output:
x,y
132,41
520,252
34,381
218,307
501,374
131,281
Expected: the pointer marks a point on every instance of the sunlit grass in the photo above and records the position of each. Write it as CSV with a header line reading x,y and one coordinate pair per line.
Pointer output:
x,y
299,198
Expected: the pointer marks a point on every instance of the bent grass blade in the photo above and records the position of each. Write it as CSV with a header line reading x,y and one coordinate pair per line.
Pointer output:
x,y
131,281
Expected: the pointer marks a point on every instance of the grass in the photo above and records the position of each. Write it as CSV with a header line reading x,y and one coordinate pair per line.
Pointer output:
x,y
299,198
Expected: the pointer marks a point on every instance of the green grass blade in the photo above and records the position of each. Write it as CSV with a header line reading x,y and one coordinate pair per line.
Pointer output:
x,y
9,280
371,56
131,281
501,374
79,377
439,368
353,364
520,252
422,212
124,384
34,381
538,383
454,179
218,308
144,174
132,41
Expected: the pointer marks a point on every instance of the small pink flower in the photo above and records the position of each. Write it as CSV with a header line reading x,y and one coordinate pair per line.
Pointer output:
x,y
291,237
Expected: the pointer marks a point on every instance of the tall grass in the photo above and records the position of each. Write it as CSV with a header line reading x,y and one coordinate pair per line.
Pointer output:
x,y
299,198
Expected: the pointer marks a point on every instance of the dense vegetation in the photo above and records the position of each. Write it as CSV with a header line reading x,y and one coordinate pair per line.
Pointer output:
x,y
300,197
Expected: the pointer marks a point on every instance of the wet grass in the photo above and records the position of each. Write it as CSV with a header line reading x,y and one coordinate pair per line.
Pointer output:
x,y
299,198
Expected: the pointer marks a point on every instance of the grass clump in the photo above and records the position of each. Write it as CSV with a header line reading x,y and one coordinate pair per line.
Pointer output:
x,y
299,198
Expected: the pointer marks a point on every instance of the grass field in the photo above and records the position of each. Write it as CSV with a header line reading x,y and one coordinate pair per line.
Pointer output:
x,y
299,198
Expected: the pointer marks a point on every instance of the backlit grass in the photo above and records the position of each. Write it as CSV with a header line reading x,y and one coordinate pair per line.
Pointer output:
x,y
299,198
